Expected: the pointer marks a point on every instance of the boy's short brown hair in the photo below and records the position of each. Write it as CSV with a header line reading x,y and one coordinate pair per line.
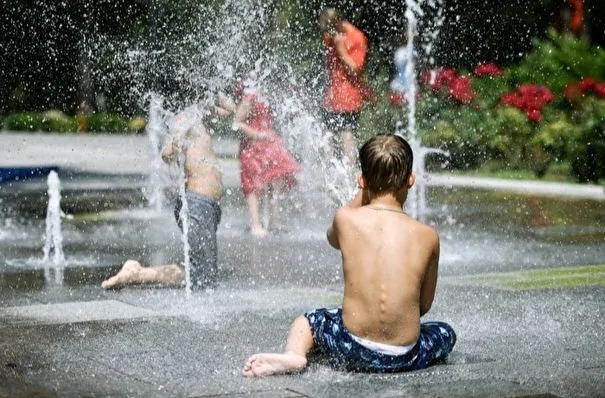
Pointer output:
x,y
386,163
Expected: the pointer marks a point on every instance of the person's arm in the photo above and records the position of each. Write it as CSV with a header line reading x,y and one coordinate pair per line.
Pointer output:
x,y
429,282
222,111
170,149
332,233
225,105
239,120
343,53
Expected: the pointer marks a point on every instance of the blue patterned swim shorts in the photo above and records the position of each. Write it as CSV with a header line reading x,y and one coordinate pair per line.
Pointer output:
x,y
331,337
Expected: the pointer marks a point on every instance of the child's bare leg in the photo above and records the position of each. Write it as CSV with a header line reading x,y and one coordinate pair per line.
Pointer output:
x,y
294,357
133,273
256,226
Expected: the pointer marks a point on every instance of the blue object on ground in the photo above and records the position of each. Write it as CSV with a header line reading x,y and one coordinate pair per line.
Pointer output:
x,y
24,173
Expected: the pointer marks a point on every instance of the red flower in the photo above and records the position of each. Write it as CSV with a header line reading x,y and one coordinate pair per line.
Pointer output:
x,y
488,69
438,77
599,90
512,99
572,92
540,94
396,100
529,98
534,115
587,84
447,75
460,89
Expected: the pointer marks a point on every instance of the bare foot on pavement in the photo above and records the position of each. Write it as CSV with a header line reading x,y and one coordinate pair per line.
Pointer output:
x,y
127,275
269,364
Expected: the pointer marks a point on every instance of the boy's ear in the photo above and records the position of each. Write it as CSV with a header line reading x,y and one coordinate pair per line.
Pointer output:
x,y
411,180
361,181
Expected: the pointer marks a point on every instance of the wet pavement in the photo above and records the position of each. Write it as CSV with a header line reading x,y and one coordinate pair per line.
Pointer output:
x,y
61,335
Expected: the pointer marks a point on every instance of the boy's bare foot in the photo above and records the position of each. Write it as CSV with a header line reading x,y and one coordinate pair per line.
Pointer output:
x,y
127,275
270,364
258,232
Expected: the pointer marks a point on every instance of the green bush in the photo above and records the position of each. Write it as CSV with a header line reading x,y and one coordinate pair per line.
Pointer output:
x,y
28,121
54,121
57,122
563,132
586,142
107,123
557,61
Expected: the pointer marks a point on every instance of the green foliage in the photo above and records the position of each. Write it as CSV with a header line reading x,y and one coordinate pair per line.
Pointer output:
x,y
58,122
557,61
486,129
549,144
454,128
586,143
107,123
27,121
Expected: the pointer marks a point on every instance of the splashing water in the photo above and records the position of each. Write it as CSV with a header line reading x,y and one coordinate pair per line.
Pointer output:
x,y
178,127
53,237
322,172
207,61
184,217
155,131
416,201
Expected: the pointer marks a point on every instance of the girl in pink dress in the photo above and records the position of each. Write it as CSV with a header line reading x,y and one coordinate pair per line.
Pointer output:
x,y
266,165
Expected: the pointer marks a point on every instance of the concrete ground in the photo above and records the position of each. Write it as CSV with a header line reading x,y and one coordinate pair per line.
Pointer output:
x,y
520,334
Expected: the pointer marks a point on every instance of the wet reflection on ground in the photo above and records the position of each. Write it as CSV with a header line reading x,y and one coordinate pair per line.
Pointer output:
x,y
481,231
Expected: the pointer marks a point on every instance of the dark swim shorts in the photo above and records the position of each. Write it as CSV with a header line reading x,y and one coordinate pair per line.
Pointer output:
x,y
204,217
331,337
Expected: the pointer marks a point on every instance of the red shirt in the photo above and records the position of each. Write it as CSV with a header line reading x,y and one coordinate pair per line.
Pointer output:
x,y
344,93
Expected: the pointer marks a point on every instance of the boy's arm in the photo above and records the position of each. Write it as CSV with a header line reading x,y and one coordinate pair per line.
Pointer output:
x,y
169,151
429,282
333,232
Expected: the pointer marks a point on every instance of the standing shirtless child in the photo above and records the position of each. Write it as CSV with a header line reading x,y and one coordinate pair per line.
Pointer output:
x,y
390,266
204,188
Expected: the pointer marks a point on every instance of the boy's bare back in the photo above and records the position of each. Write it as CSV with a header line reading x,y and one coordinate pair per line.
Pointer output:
x,y
390,271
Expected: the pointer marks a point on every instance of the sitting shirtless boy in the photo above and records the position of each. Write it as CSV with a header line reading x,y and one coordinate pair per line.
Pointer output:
x,y
390,273
204,188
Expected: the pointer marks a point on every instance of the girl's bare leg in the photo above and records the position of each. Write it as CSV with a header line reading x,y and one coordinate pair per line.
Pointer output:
x,y
256,226
133,273
294,357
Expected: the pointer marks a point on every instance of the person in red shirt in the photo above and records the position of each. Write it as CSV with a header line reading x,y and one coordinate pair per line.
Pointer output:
x,y
346,50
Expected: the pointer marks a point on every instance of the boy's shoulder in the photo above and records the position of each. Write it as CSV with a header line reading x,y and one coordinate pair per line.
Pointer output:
x,y
420,227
